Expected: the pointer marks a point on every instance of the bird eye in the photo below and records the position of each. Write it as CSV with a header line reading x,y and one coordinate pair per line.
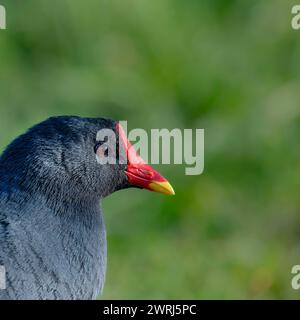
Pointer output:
x,y
101,150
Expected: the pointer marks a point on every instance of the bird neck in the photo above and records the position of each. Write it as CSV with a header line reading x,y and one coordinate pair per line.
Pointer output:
x,y
58,192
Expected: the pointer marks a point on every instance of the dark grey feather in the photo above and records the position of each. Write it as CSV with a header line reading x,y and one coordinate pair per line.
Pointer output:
x,y
52,233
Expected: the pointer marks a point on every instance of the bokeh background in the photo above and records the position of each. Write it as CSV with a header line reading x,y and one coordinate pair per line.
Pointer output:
x,y
230,67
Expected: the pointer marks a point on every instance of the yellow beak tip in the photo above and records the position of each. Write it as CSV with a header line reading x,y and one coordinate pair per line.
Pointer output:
x,y
162,187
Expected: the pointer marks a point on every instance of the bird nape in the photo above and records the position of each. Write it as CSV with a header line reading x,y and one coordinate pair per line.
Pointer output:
x,y
52,233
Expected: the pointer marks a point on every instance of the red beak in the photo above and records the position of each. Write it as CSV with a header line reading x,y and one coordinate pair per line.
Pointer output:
x,y
139,173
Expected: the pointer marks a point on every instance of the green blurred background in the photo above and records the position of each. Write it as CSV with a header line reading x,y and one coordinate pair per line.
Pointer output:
x,y
230,67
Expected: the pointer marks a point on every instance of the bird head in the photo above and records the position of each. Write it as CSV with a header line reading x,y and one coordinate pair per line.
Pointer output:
x,y
66,153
